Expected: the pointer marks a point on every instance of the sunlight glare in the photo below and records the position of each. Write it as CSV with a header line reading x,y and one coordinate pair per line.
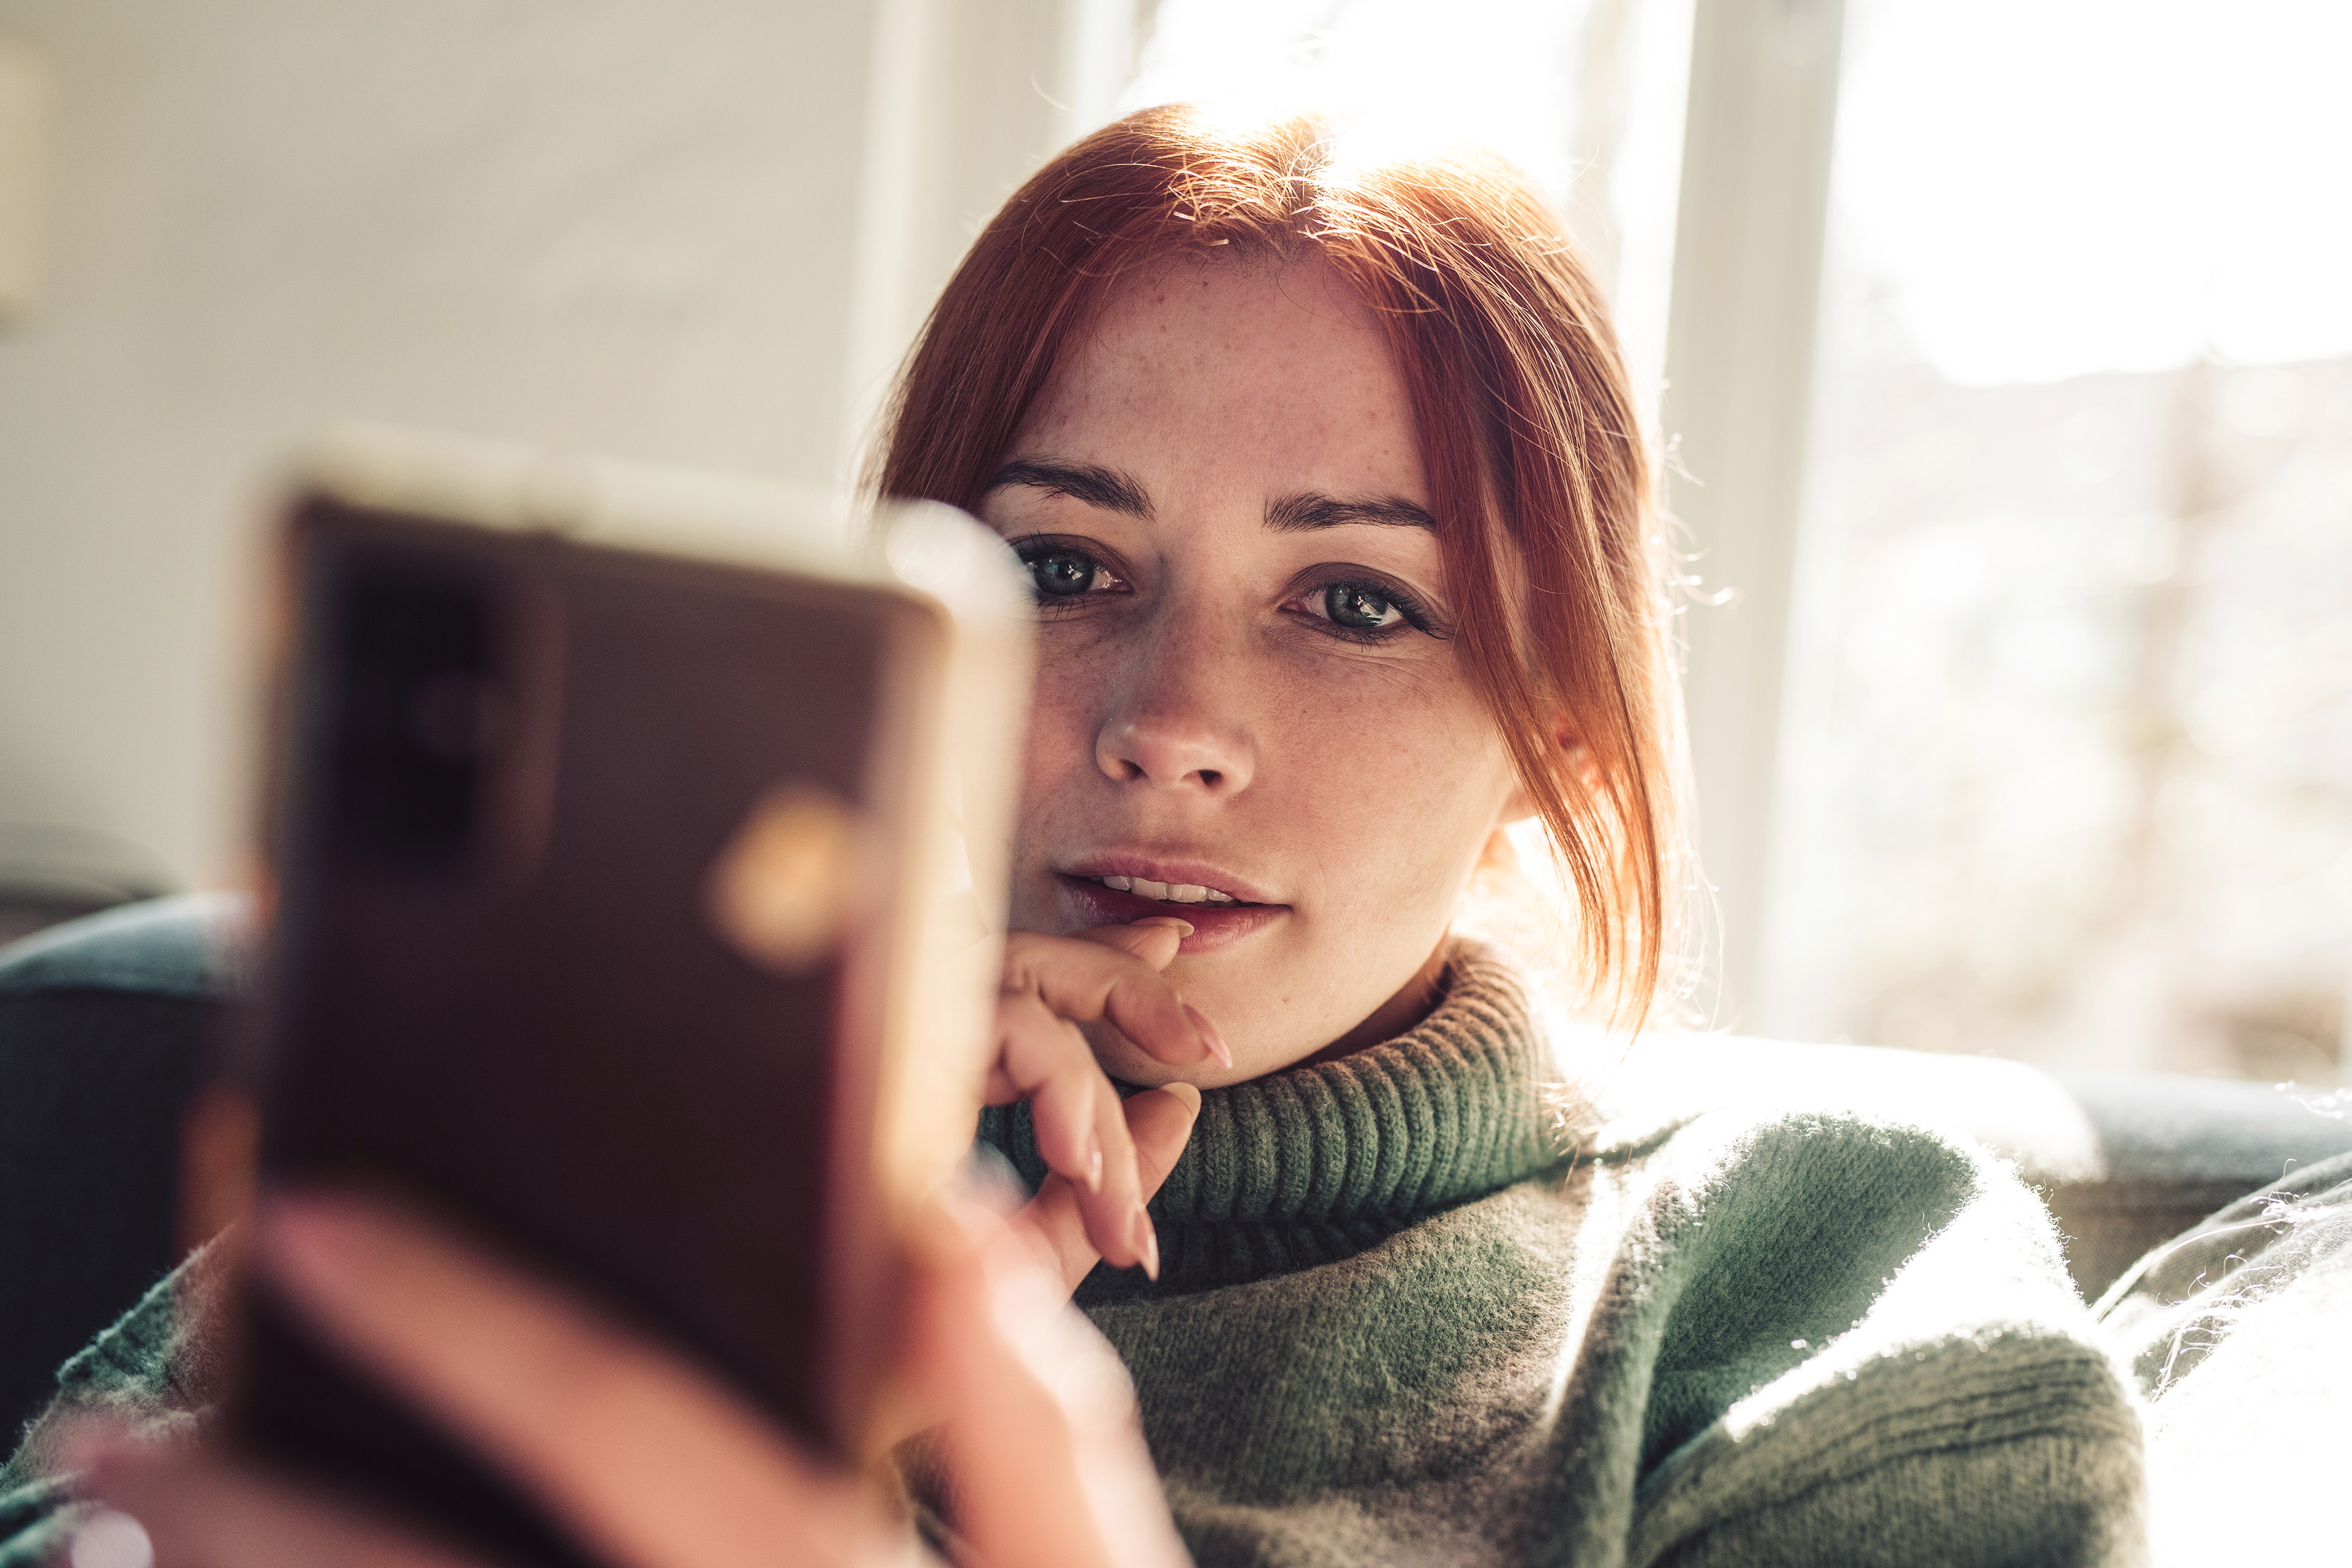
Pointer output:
x,y
2057,188
1405,74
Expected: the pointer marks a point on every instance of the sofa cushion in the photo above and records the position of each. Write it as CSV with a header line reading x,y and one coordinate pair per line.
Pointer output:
x,y
2236,1331
105,1024
195,946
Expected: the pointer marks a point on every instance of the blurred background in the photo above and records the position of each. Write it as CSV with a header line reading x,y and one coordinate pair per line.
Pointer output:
x,y
2002,349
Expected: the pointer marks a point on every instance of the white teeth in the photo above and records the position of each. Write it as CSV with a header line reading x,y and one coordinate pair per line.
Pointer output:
x,y
1167,892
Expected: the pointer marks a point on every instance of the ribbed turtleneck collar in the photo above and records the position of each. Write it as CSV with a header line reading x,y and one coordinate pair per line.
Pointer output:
x,y
1315,1164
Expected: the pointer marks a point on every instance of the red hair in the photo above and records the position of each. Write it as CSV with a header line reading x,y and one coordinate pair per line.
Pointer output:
x,y
1539,476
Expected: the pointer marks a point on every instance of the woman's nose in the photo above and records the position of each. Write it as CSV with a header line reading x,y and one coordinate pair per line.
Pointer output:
x,y
1172,749
1178,724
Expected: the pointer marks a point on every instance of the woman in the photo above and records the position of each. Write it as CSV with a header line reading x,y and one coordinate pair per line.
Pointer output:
x,y
1341,525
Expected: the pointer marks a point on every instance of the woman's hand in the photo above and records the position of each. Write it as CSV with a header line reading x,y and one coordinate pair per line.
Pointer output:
x,y
651,1465
1108,1159
641,1458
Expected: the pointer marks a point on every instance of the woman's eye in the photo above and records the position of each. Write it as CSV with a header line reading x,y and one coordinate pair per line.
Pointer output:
x,y
1359,608
1062,574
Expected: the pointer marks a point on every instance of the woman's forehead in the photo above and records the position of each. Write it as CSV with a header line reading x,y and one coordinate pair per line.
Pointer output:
x,y
1253,368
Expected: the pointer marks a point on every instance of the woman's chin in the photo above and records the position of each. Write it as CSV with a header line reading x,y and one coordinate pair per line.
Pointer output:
x,y
1128,1062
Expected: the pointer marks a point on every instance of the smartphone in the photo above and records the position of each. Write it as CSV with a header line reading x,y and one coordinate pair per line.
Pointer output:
x,y
639,842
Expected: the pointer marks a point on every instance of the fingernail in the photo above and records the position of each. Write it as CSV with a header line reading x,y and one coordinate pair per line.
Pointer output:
x,y
1208,1033
1146,1241
1184,926
1094,1164
108,1536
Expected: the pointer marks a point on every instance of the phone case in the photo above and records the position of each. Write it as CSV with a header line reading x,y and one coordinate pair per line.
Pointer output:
x,y
638,843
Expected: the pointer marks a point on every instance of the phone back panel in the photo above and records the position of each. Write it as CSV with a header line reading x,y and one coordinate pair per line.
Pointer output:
x,y
514,776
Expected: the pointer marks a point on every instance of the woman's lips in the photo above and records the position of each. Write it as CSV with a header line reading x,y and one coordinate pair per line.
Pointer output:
x,y
1176,880
1214,925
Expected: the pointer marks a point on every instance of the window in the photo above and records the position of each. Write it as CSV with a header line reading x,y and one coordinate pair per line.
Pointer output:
x,y
2066,768
1586,97
2024,726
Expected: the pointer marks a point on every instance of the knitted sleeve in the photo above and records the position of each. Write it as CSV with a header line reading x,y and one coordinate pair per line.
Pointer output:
x,y
1857,1339
157,1370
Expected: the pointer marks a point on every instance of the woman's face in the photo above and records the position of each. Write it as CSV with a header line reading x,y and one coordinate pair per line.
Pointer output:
x,y
1250,711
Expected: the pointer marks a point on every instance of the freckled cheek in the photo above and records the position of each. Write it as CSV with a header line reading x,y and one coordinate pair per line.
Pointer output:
x,y
1058,751
1393,791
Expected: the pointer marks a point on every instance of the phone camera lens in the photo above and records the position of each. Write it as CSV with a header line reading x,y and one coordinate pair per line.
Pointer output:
x,y
456,716
418,714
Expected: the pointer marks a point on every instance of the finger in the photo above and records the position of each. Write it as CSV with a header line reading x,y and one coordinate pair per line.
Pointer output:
x,y
1044,1059
1074,1111
1115,1216
1041,1431
650,1463
197,1510
1088,981
1159,1121
1153,938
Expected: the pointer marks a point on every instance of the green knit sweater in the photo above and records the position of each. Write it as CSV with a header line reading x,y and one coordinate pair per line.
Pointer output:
x,y
1395,1324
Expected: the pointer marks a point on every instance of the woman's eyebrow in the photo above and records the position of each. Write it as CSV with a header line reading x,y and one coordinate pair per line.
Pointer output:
x,y
1312,509
1096,486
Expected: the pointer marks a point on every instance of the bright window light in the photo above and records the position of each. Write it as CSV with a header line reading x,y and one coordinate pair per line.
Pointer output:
x,y
1487,72
1585,95
2066,768
2059,189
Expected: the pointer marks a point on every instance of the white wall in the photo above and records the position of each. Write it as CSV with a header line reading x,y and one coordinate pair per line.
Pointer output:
x,y
688,231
